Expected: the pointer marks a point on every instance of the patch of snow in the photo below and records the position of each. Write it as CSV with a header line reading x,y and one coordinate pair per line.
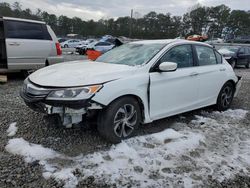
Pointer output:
x,y
235,114
66,175
12,129
30,152
139,159
214,144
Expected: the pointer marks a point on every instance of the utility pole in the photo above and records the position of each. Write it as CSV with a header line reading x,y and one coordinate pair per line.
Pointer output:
x,y
131,24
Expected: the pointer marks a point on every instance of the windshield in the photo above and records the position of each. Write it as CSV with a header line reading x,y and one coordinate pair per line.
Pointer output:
x,y
131,54
229,48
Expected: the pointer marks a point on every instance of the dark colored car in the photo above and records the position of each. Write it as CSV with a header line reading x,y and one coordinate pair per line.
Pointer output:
x,y
240,39
236,55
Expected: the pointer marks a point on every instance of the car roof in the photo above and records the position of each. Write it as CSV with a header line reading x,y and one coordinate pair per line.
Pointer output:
x,y
24,20
170,41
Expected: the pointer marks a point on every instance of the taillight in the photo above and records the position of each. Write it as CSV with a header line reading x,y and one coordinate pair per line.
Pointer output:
x,y
58,49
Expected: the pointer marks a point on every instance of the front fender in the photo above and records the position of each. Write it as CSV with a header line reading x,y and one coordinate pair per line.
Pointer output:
x,y
135,85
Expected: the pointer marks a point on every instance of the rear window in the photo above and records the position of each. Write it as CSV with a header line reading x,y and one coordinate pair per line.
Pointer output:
x,y
26,30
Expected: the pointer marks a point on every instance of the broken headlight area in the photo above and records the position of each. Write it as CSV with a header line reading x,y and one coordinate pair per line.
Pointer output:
x,y
71,104
74,93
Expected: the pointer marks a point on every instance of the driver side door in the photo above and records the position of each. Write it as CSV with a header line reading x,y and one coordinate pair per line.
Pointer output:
x,y
177,91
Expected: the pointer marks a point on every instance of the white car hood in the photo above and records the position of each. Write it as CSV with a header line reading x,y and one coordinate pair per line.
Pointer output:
x,y
79,73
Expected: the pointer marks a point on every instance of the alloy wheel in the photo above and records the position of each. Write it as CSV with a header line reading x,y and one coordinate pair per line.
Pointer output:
x,y
226,96
125,120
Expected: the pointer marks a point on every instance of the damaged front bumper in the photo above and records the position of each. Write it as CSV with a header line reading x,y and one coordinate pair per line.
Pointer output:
x,y
71,112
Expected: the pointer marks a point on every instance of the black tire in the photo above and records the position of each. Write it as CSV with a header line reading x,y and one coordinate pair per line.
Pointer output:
x,y
82,52
248,64
65,46
225,96
114,132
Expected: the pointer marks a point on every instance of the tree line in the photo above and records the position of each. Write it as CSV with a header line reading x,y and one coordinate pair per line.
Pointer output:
x,y
218,21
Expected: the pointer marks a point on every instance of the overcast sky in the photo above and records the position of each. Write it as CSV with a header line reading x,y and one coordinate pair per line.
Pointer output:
x,y
97,9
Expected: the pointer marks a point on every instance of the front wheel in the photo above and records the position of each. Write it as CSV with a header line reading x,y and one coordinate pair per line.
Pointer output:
x,y
119,120
225,97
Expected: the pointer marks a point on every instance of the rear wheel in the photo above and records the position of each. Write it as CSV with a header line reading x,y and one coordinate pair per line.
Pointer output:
x,y
66,46
120,119
225,97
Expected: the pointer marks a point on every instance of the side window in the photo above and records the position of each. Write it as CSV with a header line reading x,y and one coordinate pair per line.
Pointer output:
x,y
206,55
24,30
106,44
101,44
242,51
182,55
218,57
246,50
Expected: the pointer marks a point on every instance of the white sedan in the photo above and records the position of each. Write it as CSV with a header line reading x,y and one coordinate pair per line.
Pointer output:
x,y
72,43
133,84
100,46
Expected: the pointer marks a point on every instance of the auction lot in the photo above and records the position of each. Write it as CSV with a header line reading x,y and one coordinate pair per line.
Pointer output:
x,y
201,148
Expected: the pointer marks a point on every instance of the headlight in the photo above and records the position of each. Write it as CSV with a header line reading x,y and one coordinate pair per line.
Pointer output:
x,y
74,93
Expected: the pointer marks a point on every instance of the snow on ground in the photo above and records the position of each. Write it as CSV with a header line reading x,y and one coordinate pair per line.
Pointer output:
x,y
31,152
213,144
12,129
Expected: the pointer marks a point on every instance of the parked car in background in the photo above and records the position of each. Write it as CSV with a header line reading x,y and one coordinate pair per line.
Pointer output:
x,y
240,39
60,40
135,83
100,46
81,48
236,55
71,43
27,45
215,40
200,38
88,41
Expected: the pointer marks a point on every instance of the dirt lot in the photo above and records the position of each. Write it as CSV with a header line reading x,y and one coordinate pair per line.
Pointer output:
x,y
201,148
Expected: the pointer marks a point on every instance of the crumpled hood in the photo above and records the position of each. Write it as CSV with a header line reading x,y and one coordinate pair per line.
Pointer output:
x,y
79,73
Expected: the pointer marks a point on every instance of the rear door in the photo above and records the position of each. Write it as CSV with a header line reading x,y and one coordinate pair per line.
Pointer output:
x,y
211,74
28,44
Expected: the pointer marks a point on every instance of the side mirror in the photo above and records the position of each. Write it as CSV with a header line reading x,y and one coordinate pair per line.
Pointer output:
x,y
167,66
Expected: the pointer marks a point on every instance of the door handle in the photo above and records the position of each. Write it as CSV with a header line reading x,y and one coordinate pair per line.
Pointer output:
x,y
222,69
194,74
14,44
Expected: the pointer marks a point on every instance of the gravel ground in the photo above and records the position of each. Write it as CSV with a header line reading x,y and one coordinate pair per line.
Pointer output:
x,y
33,127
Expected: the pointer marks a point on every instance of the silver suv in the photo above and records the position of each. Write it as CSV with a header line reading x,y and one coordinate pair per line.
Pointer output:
x,y
27,45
